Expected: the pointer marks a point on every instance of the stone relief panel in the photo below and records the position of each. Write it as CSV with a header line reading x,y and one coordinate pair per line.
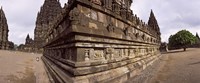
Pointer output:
x,y
111,27
77,17
98,54
74,15
87,56
109,53
68,54
98,2
94,54
107,4
116,6
55,32
131,53
137,52
86,11
128,31
126,53
117,53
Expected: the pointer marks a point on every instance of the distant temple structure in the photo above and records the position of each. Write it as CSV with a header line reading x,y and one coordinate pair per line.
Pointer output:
x,y
4,43
99,41
48,13
28,46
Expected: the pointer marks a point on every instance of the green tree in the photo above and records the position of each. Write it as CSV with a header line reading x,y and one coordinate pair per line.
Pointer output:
x,y
182,39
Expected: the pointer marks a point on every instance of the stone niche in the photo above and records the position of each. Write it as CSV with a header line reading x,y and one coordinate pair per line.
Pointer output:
x,y
93,43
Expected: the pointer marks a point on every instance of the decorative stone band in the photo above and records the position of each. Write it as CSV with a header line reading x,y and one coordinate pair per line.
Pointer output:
x,y
120,74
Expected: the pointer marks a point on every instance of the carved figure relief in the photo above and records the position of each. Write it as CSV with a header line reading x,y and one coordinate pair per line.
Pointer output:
x,y
60,29
55,32
98,2
131,52
98,54
116,7
128,31
78,18
137,52
121,52
111,27
144,37
74,14
137,35
87,55
119,1
107,4
109,53
117,53
67,54
126,52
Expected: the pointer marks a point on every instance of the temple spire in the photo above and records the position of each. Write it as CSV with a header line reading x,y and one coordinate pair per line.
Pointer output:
x,y
153,22
47,14
2,15
3,30
28,37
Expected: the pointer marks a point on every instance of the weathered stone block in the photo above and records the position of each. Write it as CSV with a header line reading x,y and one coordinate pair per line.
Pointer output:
x,y
94,15
92,25
102,17
86,11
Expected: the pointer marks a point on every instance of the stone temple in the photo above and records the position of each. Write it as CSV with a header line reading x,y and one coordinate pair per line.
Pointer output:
x,y
94,41
4,43
49,10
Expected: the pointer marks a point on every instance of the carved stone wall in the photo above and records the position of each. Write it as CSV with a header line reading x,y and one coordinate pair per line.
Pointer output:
x,y
96,41
48,12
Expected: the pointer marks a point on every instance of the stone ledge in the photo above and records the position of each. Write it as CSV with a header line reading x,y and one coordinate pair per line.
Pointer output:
x,y
100,67
117,75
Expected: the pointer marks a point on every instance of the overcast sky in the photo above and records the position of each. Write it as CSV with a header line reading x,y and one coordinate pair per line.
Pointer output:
x,y
172,16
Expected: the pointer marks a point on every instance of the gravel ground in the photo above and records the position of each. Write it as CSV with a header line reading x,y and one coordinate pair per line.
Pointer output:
x,y
19,67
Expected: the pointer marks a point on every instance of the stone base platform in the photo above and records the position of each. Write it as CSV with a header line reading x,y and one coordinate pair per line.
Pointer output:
x,y
120,72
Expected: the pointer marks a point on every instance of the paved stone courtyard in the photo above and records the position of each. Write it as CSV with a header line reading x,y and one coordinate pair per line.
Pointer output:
x,y
178,67
19,67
